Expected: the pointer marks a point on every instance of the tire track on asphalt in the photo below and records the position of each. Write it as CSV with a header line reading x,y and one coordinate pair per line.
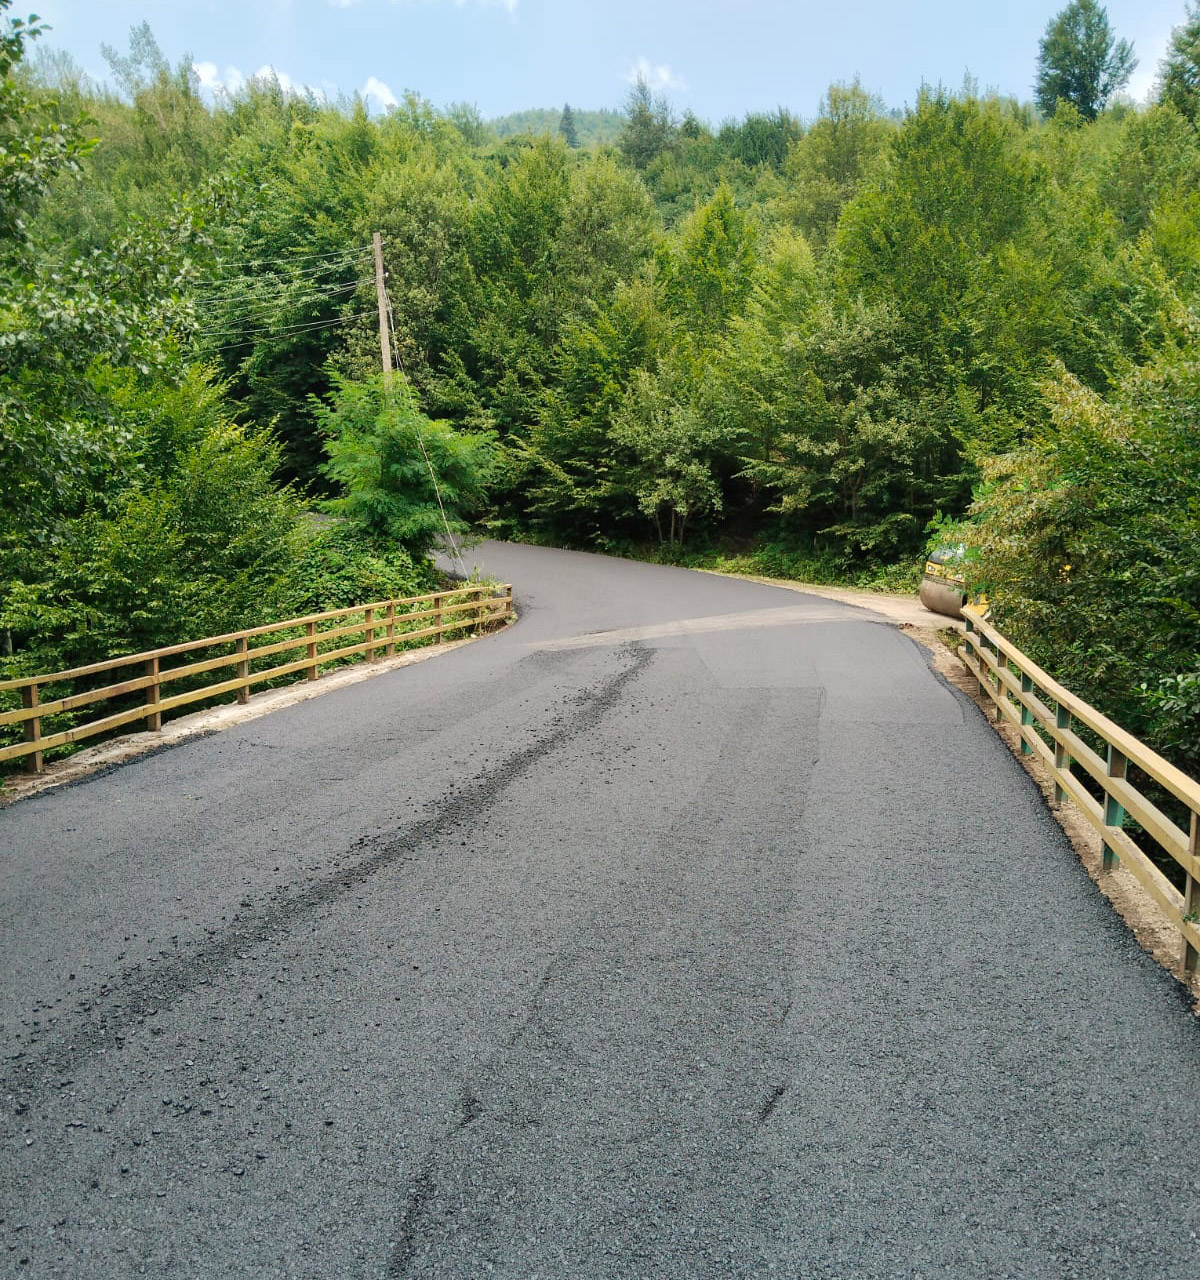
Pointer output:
x,y
134,995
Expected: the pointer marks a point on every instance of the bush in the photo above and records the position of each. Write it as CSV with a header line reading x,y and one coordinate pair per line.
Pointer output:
x,y
340,567
1085,540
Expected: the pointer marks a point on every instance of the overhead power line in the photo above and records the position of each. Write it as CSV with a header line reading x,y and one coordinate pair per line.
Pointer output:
x,y
263,304
314,262
289,330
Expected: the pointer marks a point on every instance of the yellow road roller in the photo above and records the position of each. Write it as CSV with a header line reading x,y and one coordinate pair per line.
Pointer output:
x,y
943,586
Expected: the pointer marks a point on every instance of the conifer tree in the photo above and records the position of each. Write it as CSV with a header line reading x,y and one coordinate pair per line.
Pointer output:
x,y
566,127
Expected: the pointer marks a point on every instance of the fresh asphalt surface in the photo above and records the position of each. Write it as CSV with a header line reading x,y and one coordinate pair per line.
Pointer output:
x,y
689,928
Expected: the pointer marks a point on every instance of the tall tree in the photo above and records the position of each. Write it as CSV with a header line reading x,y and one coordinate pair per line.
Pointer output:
x,y
1081,61
649,126
566,127
827,165
1179,72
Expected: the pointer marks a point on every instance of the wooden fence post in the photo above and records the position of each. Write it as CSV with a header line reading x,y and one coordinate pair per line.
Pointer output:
x,y
1062,757
1026,714
1114,814
310,630
439,618
369,634
1001,665
243,670
33,728
153,694
390,651
1191,897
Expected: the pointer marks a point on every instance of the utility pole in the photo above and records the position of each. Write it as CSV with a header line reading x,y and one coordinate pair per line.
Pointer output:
x,y
385,349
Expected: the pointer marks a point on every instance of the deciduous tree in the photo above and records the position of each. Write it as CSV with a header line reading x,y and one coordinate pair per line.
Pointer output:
x,y
1081,61
1179,72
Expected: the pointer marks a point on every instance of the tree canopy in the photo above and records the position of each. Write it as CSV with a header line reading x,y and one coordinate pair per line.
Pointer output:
x,y
810,342
1081,61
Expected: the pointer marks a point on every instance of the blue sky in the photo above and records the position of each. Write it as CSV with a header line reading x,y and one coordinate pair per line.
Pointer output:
x,y
717,57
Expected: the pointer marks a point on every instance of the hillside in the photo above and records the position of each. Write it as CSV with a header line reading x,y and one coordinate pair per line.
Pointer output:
x,y
593,128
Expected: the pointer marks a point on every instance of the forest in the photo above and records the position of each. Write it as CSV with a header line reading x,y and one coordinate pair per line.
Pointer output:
x,y
802,347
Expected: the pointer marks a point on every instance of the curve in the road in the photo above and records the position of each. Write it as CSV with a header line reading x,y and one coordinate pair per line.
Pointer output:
x,y
689,928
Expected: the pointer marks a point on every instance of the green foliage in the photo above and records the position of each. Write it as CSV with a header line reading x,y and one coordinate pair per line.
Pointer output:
x,y
827,165
957,187
566,127
706,268
1157,160
404,478
855,449
1179,72
573,476
761,139
340,567
188,536
592,128
1080,61
671,444
1086,541
37,143
649,129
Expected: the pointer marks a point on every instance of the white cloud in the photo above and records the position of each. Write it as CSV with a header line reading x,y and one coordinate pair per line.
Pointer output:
x,y
215,81
286,83
658,75
379,93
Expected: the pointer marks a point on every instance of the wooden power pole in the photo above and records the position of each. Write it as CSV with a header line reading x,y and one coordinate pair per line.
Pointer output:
x,y
385,348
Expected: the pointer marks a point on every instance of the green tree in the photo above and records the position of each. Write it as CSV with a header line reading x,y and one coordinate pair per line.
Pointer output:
x,y
1085,540
60,321
574,477
37,142
179,530
1179,72
826,166
608,231
649,126
706,266
292,269
673,447
853,457
566,127
754,370
958,185
404,478
1081,61
761,139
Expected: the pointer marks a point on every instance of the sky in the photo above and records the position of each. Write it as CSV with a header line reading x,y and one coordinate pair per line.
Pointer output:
x,y
717,58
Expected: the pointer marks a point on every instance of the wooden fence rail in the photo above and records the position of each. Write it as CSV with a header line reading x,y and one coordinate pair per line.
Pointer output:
x,y
382,625
1048,718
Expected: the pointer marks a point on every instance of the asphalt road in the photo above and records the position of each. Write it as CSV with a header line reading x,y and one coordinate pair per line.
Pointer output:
x,y
689,928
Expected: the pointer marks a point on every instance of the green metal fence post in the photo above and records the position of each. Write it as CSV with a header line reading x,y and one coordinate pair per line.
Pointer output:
x,y
1114,814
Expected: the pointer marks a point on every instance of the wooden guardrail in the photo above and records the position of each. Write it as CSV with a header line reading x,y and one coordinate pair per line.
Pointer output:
x,y
1047,716
382,625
